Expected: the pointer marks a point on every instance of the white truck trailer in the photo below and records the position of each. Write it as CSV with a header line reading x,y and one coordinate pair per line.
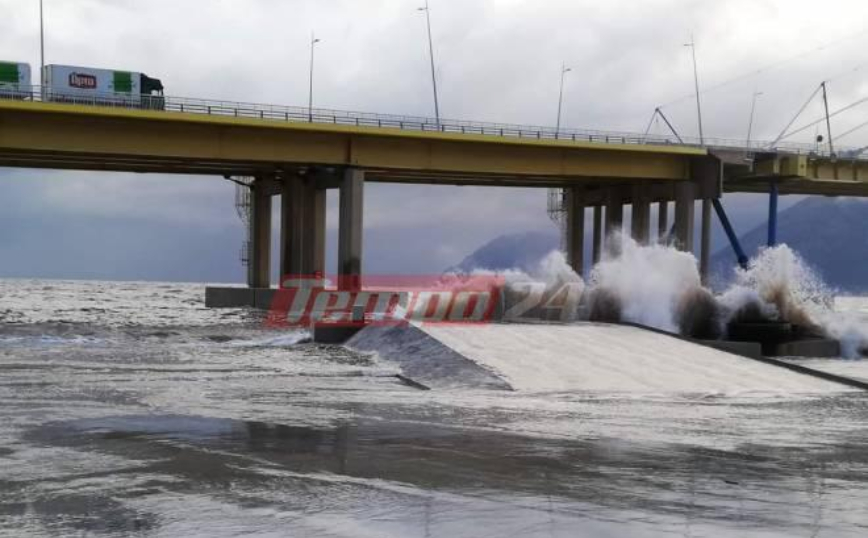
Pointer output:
x,y
15,82
90,85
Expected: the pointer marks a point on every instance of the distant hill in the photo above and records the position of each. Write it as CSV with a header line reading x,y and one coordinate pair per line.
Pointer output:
x,y
831,234
515,251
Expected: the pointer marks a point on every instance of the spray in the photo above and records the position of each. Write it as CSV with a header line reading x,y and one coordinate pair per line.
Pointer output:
x,y
659,286
643,284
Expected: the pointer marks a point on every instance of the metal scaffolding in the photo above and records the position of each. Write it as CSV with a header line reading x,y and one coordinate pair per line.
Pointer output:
x,y
243,206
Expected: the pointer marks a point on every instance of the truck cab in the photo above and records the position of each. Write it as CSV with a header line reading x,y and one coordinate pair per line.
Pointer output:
x,y
152,93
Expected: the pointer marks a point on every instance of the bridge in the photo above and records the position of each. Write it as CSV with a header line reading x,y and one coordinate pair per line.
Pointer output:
x,y
299,153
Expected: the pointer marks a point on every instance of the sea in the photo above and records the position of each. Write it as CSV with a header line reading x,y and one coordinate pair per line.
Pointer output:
x,y
129,409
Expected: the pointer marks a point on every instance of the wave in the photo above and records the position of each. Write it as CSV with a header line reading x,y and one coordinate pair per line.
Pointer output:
x,y
660,287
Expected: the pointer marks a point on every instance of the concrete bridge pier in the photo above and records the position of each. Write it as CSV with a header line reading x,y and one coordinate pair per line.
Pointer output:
x,y
575,202
350,229
705,244
641,215
662,221
302,250
685,197
316,249
598,234
292,221
614,211
708,176
259,266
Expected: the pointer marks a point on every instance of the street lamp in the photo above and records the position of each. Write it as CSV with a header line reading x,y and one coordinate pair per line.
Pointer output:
x,y
564,71
313,42
41,45
431,52
692,46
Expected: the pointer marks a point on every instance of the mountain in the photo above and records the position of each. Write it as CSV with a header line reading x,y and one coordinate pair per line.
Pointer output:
x,y
831,234
515,251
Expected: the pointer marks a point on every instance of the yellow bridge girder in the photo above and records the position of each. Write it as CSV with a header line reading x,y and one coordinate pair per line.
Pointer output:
x,y
66,136
804,174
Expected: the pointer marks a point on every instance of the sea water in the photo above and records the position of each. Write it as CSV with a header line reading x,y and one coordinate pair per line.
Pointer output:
x,y
129,409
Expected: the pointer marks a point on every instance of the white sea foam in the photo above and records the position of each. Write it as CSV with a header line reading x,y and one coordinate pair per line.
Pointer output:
x,y
786,288
780,278
46,340
551,270
659,286
284,340
649,281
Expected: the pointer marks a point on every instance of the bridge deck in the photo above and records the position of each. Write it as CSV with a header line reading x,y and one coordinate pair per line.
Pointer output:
x,y
219,138
802,174
70,136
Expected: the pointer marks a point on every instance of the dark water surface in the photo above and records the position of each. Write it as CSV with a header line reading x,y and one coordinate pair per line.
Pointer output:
x,y
129,410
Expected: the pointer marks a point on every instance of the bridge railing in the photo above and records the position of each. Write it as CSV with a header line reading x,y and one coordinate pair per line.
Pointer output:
x,y
266,112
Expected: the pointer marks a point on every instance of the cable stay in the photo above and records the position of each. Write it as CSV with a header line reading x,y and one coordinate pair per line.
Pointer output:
x,y
853,130
799,113
832,115
773,65
659,114
827,118
842,74
650,124
853,153
671,128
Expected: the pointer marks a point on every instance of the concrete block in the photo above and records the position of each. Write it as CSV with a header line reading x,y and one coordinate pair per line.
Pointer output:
x,y
809,348
752,350
226,297
263,297
328,333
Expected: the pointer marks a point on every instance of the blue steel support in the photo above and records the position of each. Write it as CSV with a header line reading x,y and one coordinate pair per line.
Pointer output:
x,y
730,233
773,214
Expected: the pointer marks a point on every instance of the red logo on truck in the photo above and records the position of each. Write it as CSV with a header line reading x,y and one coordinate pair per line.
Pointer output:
x,y
83,81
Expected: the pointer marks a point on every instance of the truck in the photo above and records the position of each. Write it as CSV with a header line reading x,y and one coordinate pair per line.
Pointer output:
x,y
91,85
15,80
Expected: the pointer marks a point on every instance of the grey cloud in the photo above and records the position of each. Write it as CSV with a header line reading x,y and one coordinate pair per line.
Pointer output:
x,y
498,60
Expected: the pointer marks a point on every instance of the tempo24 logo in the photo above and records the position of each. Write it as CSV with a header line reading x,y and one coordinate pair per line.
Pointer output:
x,y
305,300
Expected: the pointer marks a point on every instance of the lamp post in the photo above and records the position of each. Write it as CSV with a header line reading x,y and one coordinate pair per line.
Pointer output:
x,y
692,46
313,42
431,53
564,71
41,45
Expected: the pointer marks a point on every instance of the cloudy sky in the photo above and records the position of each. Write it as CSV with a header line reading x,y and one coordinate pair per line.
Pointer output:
x,y
497,60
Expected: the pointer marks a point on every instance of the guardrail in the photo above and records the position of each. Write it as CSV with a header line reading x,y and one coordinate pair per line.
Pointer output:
x,y
410,123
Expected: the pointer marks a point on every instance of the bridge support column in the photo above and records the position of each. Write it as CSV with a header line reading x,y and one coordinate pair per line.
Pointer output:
x,y
773,214
707,174
292,227
350,229
614,212
259,266
317,222
598,233
641,215
662,221
685,196
705,247
576,229
302,240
